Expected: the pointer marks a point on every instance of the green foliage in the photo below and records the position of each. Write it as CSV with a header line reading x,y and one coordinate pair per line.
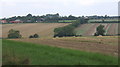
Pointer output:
x,y
69,29
47,55
64,31
100,30
14,34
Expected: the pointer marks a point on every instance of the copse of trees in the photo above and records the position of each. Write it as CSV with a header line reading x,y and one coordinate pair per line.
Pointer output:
x,y
69,29
64,31
14,34
100,30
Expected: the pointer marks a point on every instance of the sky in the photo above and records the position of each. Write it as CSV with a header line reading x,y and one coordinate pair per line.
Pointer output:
x,y
9,8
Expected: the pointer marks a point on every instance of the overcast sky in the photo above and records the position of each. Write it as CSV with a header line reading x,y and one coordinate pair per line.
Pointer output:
x,y
10,8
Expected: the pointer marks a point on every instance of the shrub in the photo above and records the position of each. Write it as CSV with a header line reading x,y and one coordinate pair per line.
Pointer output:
x,y
14,34
95,34
31,36
36,36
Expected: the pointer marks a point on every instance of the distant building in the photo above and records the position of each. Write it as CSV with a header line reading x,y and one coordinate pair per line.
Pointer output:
x,y
3,21
40,20
16,21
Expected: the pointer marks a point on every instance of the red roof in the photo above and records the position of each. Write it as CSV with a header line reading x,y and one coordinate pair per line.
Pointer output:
x,y
15,21
3,21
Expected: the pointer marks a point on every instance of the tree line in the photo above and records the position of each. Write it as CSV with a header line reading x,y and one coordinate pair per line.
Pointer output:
x,y
44,18
69,29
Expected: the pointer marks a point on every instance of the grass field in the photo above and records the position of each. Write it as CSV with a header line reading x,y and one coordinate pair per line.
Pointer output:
x,y
39,54
42,29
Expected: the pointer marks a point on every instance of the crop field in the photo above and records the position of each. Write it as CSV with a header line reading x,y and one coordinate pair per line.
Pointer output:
x,y
90,29
42,29
17,53
102,44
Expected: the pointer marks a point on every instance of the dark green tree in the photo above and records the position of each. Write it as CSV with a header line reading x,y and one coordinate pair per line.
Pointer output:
x,y
100,30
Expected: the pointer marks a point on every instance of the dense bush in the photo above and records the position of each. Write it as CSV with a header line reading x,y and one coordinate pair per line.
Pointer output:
x,y
34,36
14,34
31,36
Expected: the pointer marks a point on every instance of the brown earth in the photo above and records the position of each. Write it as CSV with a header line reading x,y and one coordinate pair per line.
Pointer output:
x,y
91,30
89,44
113,29
42,29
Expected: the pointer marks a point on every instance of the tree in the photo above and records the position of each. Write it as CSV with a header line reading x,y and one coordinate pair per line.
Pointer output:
x,y
100,30
64,31
29,15
14,34
36,36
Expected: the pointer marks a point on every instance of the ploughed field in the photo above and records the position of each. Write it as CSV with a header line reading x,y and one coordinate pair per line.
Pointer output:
x,y
42,29
107,45
90,29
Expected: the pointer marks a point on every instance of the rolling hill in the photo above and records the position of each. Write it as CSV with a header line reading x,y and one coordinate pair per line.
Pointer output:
x,y
42,29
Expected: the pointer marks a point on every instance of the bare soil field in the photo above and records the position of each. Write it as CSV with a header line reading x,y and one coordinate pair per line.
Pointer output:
x,y
113,29
105,45
90,29
42,29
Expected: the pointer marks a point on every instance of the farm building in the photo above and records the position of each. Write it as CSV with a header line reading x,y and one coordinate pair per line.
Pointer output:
x,y
3,21
16,21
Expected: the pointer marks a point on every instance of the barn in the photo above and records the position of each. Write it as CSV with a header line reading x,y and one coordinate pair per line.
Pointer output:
x,y
3,21
16,21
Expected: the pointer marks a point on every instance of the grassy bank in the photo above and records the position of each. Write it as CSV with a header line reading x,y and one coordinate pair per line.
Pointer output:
x,y
45,55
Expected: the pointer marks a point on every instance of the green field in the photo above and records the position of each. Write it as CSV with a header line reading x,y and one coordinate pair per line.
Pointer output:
x,y
66,21
100,20
45,55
